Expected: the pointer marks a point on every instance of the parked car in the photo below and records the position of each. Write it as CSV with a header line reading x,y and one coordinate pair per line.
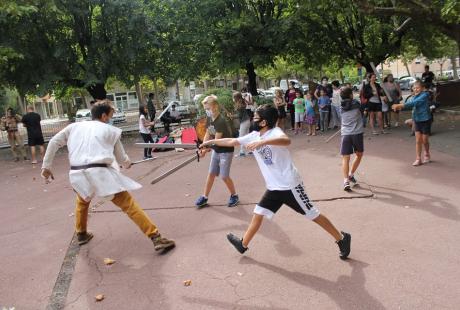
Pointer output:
x,y
405,83
305,88
186,109
83,115
284,85
357,86
118,117
269,94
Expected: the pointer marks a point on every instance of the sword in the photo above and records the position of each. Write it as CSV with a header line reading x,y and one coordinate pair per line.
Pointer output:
x,y
143,160
178,167
188,146
331,137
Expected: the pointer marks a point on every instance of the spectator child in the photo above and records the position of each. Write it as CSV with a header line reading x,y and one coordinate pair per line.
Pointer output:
x,y
299,108
324,103
310,115
422,120
352,136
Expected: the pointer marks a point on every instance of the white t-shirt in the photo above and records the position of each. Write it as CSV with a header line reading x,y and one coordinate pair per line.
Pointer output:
x,y
142,128
336,98
249,102
274,162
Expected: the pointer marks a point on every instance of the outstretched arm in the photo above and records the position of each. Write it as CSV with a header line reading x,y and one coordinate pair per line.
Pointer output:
x,y
225,142
58,141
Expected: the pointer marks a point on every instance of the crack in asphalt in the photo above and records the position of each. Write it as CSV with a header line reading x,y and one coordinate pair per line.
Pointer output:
x,y
61,287
241,204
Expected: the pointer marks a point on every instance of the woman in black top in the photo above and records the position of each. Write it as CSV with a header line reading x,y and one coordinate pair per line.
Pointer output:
x,y
372,92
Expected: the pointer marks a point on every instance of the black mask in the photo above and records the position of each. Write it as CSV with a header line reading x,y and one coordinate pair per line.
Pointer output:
x,y
255,126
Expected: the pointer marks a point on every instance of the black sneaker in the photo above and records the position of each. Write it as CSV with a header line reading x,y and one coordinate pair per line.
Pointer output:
x,y
344,245
237,243
346,186
352,179
84,237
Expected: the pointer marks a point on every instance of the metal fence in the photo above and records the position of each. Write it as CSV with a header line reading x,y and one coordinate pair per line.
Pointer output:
x,y
53,126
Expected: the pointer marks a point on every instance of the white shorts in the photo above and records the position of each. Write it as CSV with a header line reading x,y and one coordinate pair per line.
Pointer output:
x,y
299,117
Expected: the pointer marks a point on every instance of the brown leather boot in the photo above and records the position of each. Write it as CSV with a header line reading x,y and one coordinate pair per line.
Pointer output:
x,y
161,243
84,237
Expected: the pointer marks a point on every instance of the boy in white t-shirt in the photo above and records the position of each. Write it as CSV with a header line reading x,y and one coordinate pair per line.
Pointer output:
x,y
283,182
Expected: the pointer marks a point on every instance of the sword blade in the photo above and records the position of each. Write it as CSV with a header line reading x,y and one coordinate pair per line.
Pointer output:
x,y
334,135
143,160
171,171
190,146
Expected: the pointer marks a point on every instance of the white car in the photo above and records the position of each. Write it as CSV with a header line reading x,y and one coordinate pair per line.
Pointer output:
x,y
269,94
406,82
118,117
83,115
185,109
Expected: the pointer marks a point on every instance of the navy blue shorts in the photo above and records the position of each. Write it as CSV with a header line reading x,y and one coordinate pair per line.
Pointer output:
x,y
424,127
352,144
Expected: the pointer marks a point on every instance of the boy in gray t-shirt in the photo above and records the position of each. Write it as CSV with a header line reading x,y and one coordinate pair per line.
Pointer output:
x,y
352,136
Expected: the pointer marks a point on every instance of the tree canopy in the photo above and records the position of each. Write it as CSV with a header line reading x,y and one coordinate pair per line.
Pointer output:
x,y
53,44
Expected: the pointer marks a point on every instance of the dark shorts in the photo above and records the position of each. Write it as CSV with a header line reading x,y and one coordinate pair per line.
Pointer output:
x,y
35,140
281,112
374,106
352,144
424,127
295,198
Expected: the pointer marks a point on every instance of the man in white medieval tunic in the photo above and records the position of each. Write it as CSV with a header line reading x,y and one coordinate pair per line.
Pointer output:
x,y
94,150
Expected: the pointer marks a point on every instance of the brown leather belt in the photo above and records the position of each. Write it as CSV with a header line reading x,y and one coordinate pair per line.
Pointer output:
x,y
82,167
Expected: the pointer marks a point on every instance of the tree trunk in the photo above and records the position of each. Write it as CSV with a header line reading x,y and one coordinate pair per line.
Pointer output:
x,y
177,90
367,66
407,67
238,88
157,94
97,91
140,96
252,85
21,99
454,66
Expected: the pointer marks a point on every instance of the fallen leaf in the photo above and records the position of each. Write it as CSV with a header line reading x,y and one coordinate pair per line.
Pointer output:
x,y
99,297
109,261
187,282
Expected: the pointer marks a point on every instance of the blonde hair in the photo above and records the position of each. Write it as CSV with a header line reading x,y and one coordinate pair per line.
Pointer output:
x,y
279,92
211,99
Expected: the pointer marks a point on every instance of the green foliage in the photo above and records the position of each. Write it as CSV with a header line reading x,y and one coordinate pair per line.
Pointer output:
x,y
224,97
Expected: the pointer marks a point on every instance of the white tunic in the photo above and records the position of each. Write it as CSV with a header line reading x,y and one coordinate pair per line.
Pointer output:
x,y
90,143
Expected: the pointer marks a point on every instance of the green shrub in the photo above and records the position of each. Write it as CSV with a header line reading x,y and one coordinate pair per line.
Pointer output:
x,y
224,97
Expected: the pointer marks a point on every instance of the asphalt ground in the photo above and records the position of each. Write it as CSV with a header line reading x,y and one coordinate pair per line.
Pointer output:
x,y
403,221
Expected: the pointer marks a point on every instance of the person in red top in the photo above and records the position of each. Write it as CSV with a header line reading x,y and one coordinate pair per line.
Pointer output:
x,y
290,97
